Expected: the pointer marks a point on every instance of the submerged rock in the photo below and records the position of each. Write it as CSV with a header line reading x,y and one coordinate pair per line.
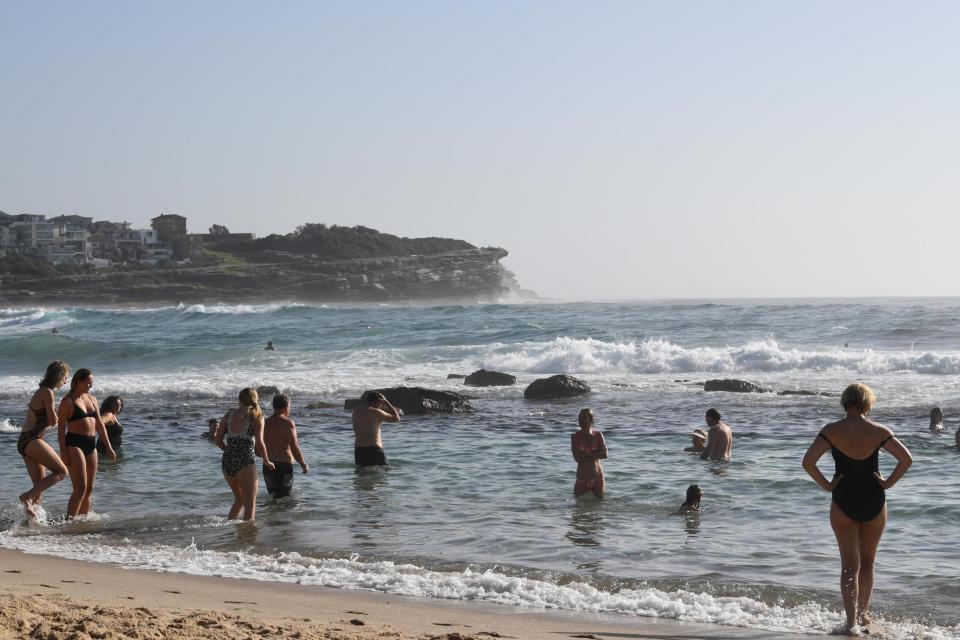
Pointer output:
x,y
267,390
455,376
805,392
417,400
734,386
320,405
484,378
559,386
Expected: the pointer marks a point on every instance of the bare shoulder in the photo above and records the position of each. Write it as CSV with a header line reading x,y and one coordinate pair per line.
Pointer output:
x,y
880,429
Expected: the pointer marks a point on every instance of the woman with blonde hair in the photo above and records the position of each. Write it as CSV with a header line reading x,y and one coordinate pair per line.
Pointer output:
x,y
37,455
858,513
240,436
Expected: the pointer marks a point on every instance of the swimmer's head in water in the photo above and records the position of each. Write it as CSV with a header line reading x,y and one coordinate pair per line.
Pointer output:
x,y
375,397
112,404
281,401
585,417
81,379
57,373
936,414
858,396
713,416
694,494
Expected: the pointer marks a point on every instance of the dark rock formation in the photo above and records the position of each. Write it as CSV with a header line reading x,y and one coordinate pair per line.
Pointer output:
x,y
484,378
735,386
559,386
417,400
455,376
265,390
805,392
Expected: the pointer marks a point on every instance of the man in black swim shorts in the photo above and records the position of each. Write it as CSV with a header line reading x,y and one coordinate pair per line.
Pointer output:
x,y
367,418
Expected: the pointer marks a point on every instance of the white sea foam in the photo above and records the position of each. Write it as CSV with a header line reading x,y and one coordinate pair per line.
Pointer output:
x,y
573,355
487,585
8,427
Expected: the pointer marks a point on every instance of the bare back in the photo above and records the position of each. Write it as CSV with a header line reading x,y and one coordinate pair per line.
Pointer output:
x,y
366,425
278,438
856,437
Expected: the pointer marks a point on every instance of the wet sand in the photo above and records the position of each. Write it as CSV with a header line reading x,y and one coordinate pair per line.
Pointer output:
x,y
53,598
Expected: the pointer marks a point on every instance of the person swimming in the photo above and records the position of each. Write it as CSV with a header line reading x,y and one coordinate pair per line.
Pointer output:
x,y
269,346
211,431
692,503
936,420
589,448
858,513
38,456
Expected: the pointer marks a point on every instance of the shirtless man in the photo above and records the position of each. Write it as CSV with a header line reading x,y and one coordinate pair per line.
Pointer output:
x,y
283,447
719,438
367,418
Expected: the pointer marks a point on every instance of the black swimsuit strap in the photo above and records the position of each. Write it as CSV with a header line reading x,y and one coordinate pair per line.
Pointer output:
x,y
820,435
885,441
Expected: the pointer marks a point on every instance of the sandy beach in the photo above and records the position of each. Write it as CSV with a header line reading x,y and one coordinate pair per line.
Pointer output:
x,y
53,598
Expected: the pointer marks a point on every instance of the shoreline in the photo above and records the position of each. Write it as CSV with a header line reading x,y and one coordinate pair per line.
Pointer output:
x,y
125,601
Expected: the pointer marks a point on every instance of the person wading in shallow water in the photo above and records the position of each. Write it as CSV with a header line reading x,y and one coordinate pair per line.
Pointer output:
x,y
858,513
283,446
240,436
37,455
367,418
589,448
719,438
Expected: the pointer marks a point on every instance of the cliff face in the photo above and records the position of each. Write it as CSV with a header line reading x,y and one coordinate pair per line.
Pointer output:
x,y
469,274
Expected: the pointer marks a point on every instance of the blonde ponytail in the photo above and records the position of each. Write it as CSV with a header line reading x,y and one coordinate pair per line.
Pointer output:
x,y
251,400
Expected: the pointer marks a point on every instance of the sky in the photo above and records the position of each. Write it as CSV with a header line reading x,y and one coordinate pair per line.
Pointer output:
x,y
617,150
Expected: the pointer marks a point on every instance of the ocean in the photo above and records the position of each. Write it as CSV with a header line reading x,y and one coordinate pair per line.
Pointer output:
x,y
479,506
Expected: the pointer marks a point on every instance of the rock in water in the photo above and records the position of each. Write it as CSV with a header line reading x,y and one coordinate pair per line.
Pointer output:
x,y
484,378
320,404
735,386
267,390
418,401
559,386
455,376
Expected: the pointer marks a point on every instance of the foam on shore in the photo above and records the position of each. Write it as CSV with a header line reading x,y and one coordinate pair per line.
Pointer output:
x,y
487,585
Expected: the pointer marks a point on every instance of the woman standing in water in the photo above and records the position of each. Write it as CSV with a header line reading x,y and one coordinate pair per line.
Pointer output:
x,y
110,410
79,424
858,513
242,428
588,449
37,455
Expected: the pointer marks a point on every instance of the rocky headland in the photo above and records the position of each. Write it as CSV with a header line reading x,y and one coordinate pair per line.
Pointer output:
x,y
465,274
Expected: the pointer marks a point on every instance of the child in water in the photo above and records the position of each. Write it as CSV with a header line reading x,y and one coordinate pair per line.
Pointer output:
x,y
692,504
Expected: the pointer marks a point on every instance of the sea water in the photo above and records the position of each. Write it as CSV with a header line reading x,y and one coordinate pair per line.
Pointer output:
x,y
480,506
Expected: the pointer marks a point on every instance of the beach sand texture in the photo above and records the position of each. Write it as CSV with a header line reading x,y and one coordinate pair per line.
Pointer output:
x,y
51,598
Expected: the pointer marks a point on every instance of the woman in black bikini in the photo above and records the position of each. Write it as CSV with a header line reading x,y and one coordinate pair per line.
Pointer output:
x,y
110,410
37,455
858,513
240,436
79,425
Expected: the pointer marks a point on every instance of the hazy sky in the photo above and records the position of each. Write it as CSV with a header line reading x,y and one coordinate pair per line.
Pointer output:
x,y
616,149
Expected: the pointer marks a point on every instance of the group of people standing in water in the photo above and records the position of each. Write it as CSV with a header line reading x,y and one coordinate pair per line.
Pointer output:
x,y
79,420
87,429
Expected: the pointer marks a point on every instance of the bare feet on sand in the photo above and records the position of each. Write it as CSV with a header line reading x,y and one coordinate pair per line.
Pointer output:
x,y
846,630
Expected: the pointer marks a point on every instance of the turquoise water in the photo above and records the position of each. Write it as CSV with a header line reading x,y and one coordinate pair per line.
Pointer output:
x,y
480,505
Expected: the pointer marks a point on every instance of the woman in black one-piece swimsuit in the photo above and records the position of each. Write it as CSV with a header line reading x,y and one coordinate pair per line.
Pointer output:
x,y
858,513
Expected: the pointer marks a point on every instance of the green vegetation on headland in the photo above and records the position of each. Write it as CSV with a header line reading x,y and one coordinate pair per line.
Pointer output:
x,y
338,243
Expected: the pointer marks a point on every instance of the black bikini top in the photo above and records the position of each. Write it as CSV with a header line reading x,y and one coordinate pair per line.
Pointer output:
x,y
80,414
856,466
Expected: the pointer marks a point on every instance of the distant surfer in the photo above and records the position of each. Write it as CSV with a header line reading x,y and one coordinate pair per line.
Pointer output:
x,y
367,418
283,447
269,346
589,448
55,330
719,438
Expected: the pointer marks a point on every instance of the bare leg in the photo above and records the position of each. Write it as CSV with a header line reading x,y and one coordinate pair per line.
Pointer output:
x,y
870,533
249,481
39,457
847,532
599,488
78,478
92,462
237,505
